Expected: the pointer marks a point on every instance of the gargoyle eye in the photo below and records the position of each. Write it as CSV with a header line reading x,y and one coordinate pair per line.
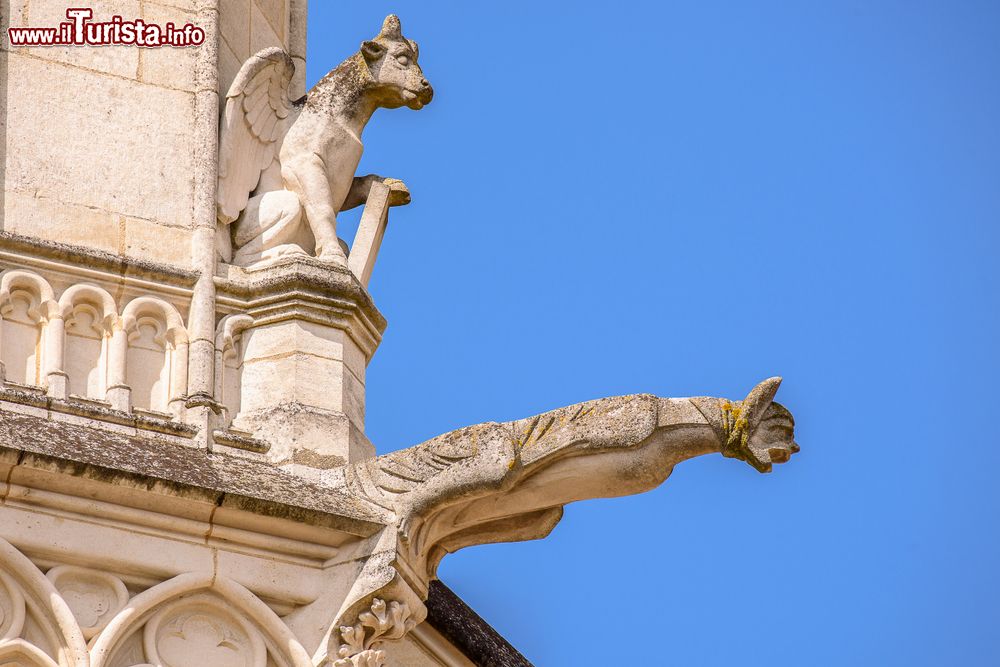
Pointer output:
x,y
403,60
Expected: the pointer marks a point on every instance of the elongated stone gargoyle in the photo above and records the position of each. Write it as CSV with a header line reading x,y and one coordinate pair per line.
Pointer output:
x,y
508,482
286,168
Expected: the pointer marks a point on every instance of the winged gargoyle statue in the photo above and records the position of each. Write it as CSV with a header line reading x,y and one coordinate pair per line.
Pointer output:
x,y
508,482
286,168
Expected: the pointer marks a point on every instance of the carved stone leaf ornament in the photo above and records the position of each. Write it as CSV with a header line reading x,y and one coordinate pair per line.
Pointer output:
x,y
383,623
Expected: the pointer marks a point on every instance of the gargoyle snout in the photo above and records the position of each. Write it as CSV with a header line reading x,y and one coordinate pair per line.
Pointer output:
x,y
426,92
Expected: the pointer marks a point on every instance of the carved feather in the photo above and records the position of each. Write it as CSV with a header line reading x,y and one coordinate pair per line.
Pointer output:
x,y
253,125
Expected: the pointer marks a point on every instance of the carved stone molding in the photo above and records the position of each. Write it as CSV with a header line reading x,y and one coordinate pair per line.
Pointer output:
x,y
200,630
94,597
11,609
37,628
20,653
194,620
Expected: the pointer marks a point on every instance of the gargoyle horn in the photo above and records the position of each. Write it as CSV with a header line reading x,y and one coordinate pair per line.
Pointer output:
x,y
391,28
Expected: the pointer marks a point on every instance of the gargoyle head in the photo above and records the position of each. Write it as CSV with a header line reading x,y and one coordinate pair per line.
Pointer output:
x,y
773,441
756,430
392,61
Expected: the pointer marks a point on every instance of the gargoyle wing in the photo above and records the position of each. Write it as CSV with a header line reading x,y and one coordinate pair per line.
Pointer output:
x,y
254,123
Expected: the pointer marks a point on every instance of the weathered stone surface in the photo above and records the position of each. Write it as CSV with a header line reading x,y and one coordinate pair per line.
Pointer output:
x,y
168,67
309,332
167,243
122,61
277,15
508,482
234,26
135,460
229,67
263,34
61,251
53,163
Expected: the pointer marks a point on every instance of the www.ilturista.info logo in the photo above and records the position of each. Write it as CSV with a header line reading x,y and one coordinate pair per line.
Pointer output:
x,y
80,31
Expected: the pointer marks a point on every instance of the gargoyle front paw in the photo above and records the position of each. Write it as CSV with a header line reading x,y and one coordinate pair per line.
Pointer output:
x,y
334,255
399,194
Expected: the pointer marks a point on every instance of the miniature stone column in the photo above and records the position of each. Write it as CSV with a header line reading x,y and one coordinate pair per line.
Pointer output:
x,y
56,380
178,375
119,394
303,382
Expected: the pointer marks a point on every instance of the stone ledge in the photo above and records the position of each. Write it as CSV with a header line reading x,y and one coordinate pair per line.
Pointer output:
x,y
73,257
148,462
239,440
82,407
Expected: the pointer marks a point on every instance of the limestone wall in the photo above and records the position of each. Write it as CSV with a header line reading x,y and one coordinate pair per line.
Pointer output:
x,y
247,26
98,144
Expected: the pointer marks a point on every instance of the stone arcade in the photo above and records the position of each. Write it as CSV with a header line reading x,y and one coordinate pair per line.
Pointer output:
x,y
184,474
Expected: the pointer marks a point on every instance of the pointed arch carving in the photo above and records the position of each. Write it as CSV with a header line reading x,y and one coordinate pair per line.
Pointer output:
x,y
44,608
21,653
173,617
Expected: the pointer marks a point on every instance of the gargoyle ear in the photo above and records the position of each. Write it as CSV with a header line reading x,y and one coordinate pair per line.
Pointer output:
x,y
759,399
372,51
415,48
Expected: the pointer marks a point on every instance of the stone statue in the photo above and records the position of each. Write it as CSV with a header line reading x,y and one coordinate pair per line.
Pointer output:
x,y
286,168
508,482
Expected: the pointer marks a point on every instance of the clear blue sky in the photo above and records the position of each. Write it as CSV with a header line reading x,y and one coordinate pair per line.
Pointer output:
x,y
683,199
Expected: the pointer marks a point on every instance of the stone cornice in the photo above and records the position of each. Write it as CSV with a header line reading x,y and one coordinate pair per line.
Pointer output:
x,y
143,462
80,262
306,289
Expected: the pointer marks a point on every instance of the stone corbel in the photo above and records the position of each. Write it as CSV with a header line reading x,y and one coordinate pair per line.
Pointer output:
x,y
383,605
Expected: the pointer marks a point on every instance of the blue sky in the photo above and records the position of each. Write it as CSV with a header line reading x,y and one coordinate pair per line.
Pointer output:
x,y
684,199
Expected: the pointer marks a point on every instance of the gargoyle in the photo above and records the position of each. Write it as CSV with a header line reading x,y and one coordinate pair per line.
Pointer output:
x,y
286,168
508,482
